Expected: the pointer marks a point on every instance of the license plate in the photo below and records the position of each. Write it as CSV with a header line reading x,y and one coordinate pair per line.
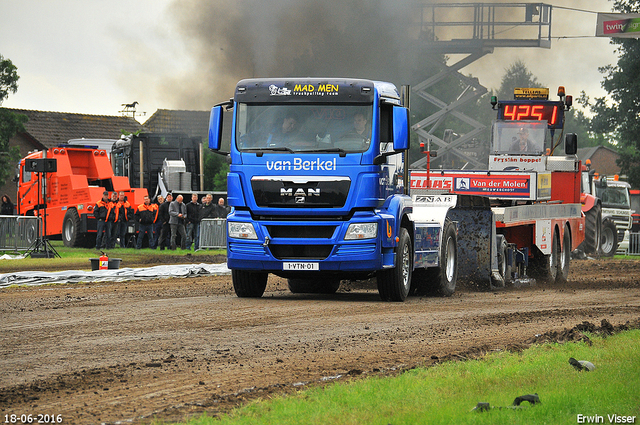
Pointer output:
x,y
301,266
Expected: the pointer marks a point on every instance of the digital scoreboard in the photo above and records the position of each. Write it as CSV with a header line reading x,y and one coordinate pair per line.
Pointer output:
x,y
532,110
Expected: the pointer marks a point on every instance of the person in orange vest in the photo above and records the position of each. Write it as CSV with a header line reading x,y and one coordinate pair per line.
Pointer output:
x,y
123,213
110,230
101,211
146,215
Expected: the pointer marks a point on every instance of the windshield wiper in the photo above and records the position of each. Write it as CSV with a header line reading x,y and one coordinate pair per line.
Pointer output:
x,y
260,151
320,150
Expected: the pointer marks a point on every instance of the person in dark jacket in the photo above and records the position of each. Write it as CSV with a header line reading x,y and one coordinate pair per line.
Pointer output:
x,y
124,211
193,223
222,211
177,217
163,217
7,205
146,215
208,209
101,210
157,227
110,229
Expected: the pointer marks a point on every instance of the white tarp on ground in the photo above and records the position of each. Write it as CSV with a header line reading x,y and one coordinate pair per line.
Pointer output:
x,y
113,275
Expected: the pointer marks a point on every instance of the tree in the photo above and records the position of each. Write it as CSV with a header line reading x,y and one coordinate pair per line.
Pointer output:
x,y
517,75
10,123
8,78
619,114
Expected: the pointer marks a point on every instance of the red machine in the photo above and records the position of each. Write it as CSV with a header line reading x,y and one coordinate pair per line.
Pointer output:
x,y
67,184
534,195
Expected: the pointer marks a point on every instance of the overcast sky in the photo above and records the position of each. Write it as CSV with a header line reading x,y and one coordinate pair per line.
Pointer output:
x,y
91,57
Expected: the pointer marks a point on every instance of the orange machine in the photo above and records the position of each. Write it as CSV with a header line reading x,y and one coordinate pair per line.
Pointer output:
x,y
68,188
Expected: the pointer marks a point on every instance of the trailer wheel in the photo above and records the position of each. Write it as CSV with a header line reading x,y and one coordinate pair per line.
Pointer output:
x,y
444,277
314,286
70,228
248,284
565,257
609,244
504,268
394,284
545,267
593,230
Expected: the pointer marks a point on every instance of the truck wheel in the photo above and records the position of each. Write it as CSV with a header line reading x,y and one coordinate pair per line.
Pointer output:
x,y
609,244
314,286
394,284
593,230
248,284
545,267
503,265
444,277
440,280
565,257
70,228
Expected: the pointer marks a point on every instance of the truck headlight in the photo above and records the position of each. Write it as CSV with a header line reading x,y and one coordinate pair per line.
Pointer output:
x,y
361,231
241,230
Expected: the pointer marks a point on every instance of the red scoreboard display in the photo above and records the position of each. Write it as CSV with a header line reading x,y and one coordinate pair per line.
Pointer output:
x,y
532,110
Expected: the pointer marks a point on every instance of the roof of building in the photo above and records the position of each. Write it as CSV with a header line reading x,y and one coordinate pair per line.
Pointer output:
x,y
193,123
55,128
587,153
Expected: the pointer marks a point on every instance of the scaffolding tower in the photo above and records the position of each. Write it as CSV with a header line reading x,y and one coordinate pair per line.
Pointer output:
x,y
472,30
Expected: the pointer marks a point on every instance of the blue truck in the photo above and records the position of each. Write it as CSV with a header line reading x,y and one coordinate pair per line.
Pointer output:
x,y
319,190
320,194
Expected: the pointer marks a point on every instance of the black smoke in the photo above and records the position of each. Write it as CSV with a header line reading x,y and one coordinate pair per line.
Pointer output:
x,y
232,40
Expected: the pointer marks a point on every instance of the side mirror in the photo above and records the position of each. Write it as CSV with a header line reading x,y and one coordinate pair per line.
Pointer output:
x,y
571,144
215,128
400,128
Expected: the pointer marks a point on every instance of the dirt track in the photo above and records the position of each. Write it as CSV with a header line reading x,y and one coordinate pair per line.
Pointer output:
x,y
103,353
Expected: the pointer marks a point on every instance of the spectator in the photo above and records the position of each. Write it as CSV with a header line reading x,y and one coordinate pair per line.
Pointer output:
x,y
157,227
123,213
146,215
193,222
221,210
110,230
208,209
177,217
163,217
7,205
101,211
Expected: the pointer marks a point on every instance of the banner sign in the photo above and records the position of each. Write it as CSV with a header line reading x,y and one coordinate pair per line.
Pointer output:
x,y
624,25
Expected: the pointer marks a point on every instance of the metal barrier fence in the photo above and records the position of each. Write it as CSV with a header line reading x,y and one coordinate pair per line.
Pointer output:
x,y
18,233
634,244
213,233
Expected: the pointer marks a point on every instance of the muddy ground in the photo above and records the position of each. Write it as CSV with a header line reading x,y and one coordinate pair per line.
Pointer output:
x,y
132,351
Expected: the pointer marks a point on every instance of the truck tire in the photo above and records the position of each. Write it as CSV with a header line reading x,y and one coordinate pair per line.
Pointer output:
x,y
444,277
609,242
248,284
545,267
314,286
394,284
593,231
565,257
503,265
71,229
440,281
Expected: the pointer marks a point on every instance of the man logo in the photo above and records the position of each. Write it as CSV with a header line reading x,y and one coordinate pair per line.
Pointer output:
x,y
300,192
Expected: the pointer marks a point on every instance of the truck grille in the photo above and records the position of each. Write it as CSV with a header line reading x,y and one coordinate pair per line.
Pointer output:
x,y
299,252
301,232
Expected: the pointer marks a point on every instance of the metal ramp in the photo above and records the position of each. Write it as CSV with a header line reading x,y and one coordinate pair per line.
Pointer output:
x,y
473,30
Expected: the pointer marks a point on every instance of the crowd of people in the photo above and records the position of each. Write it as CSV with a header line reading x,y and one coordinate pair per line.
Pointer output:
x,y
163,222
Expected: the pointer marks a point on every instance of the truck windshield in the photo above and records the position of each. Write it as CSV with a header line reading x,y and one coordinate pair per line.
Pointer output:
x,y
519,138
303,128
613,197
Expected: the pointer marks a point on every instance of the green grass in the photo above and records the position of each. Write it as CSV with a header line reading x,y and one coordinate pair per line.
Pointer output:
x,y
78,258
446,393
